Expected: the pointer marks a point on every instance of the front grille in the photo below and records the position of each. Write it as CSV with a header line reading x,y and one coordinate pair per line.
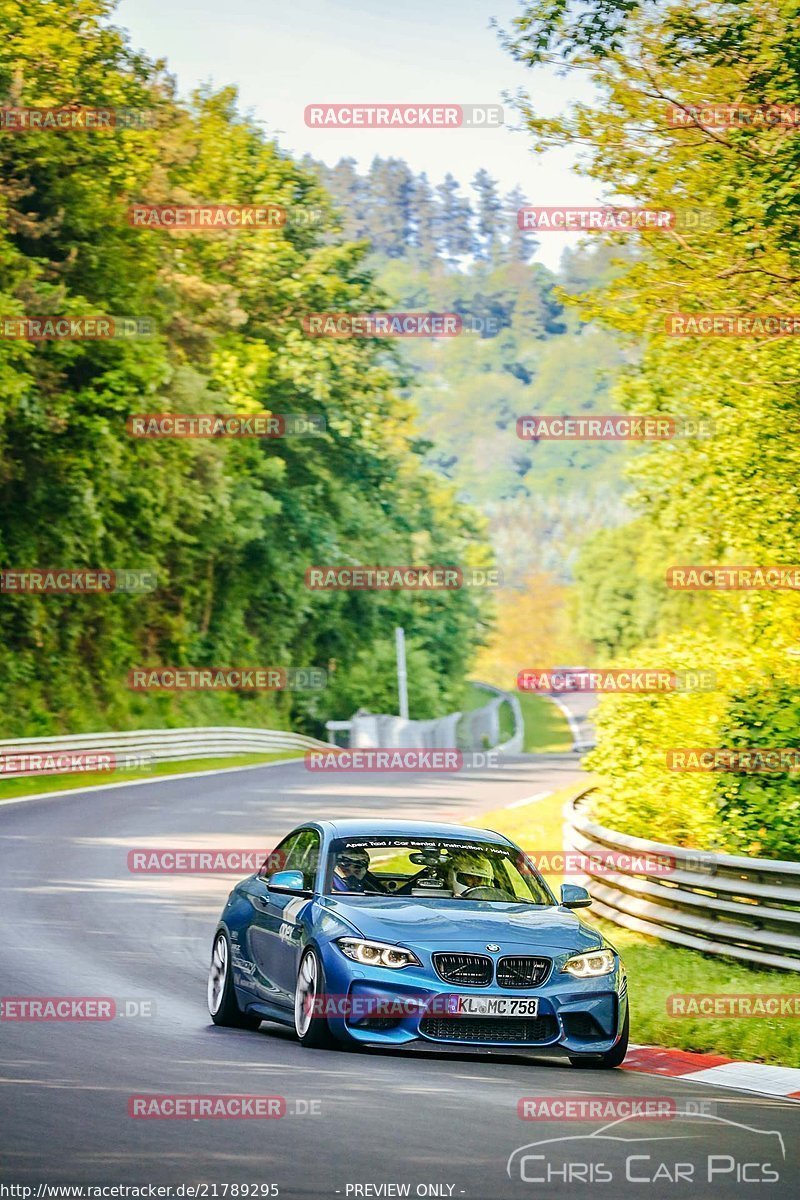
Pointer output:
x,y
470,970
528,1030
583,1026
522,971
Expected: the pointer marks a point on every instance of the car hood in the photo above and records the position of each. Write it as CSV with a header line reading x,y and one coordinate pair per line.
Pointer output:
x,y
459,922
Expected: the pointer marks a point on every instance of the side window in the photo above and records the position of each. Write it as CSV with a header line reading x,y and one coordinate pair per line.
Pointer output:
x,y
304,856
512,881
278,859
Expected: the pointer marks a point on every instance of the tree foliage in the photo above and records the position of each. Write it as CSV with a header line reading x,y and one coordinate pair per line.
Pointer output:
x,y
227,526
731,497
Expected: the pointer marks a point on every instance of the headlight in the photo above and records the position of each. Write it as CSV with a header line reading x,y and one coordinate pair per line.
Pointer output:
x,y
587,966
377,954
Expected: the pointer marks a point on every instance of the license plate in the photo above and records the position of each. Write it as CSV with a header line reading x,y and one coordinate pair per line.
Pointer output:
x,y
494,1006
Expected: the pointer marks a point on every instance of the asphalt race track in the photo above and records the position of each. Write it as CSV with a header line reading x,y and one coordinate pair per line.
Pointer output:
x,y
579,706
77,922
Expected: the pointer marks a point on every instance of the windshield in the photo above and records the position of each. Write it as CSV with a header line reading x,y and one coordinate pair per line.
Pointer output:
x,y
434,868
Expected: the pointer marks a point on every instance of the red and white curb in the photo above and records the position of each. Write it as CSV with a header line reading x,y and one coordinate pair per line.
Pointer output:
x,y
715,1069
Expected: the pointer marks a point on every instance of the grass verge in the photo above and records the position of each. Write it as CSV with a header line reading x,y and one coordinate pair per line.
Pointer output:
x,y
546,727
657,970
31,785
473,697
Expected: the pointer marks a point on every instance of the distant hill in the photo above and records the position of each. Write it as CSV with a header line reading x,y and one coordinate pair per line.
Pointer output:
x,y
438,249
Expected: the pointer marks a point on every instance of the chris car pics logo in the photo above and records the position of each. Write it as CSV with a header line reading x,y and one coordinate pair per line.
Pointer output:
x,y
693,1152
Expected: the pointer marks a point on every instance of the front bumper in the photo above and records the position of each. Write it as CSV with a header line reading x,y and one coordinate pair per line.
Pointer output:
x,y
575,1016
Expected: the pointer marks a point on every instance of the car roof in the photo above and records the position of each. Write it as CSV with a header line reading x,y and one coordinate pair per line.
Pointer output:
x,y
372,827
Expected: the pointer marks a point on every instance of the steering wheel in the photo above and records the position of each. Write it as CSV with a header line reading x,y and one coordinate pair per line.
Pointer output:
x,y
486,893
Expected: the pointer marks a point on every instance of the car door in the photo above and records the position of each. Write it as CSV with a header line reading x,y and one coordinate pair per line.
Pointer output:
x,y
251,959
275,935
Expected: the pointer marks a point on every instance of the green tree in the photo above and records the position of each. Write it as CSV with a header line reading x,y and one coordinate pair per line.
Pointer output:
x,y
347,188
731,494
520,245
227,526
391,192
455,217
489,214
426,222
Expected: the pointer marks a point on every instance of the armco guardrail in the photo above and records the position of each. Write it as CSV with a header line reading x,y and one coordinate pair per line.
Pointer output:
x,y
368,730
157,745
744,908
478,729
487,720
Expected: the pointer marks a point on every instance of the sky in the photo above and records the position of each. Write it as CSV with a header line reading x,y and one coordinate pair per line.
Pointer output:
x,y
283,57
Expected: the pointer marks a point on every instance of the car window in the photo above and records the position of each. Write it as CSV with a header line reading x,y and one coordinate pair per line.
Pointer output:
x,y
278,858
304,856
514,880
437,868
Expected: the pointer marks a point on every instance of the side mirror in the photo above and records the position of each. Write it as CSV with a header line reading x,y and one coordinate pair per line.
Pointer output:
x,y
573,896
288,881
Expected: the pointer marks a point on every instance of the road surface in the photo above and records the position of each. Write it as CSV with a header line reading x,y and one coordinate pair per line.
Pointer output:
x,y
577,707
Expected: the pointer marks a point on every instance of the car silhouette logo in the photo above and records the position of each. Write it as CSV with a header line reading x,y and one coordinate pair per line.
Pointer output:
x,y
492,947
602,1135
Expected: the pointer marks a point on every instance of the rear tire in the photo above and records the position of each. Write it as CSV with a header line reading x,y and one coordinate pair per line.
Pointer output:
x,y
222,1002
612,1058
312,1030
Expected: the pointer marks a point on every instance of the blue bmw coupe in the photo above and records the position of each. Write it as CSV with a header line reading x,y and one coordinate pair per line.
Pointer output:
x,y
387,933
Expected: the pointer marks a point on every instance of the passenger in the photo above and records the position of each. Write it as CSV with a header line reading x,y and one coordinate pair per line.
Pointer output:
x,y
351,873
467,871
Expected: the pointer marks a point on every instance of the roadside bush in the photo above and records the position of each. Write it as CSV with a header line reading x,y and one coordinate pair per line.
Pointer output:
x,y
761,811
639,794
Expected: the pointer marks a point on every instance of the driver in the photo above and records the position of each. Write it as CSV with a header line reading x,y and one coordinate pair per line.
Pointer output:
x,y
351,872
469,870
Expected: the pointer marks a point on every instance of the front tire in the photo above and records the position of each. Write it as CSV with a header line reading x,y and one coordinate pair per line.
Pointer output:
x,y
312,1030
222,1002
612,1058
